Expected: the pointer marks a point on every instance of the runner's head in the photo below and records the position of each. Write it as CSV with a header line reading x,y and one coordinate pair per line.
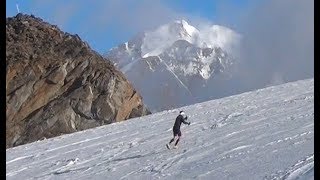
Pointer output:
x,y
183,114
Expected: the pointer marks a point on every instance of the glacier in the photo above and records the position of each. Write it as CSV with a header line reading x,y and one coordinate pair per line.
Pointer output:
x,y
262,134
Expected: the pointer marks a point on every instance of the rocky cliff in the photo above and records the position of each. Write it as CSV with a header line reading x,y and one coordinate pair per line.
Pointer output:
x,y
55,84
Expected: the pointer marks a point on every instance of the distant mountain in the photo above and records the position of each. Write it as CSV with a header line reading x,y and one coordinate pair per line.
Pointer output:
x,y
173,64
56,84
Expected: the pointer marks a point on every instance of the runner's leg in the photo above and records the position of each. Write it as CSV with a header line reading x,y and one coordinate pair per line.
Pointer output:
x,y
179,135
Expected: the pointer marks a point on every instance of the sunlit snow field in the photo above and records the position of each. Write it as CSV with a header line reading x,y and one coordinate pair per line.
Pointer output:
x,y
263,134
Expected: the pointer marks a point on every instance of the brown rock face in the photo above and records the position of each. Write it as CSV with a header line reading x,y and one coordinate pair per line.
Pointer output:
x,y
55,84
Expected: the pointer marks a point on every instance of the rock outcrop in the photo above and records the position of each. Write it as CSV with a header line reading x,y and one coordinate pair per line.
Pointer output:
x,y
55,84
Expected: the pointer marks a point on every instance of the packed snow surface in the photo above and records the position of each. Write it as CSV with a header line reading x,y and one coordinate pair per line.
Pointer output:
x,y
263,134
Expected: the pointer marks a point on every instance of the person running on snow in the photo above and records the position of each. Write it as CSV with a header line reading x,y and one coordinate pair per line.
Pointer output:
x,y
181,118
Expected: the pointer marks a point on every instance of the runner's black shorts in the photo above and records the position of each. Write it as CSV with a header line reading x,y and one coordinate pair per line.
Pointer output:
x,y
176,132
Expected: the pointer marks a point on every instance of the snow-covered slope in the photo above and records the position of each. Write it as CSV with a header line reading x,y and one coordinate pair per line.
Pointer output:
x,y
263,134
177,56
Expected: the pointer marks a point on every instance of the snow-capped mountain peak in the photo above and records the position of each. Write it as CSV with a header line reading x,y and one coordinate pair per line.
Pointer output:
x,y
185,27
175,55
156,41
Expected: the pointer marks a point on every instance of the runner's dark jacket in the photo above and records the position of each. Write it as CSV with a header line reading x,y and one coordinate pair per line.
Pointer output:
x,y
178,122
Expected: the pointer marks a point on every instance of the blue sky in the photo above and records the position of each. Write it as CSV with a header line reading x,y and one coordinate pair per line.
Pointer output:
x,y
277,35
107,23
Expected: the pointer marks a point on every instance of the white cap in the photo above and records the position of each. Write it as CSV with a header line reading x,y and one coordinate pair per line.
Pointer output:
x,y
182,113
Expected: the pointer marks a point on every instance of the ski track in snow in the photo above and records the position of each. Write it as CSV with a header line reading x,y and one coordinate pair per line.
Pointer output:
x,y
263,134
